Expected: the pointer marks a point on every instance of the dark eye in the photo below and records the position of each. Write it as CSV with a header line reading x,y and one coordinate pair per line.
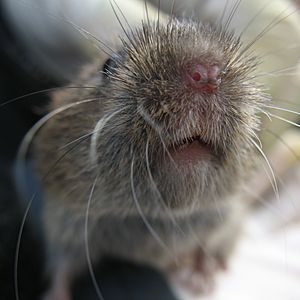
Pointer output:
x,y
110,65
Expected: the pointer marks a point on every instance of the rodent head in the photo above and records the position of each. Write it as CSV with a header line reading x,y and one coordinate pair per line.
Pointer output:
x,y
186,119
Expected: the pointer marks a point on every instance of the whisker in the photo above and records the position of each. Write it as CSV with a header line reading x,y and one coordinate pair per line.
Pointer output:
x,y
284,143
172,14
254,18
95,134
148,119
150,174
284,101
277,73
223,12
33,131
18,246
168,153
284,120
80,29
21,158
273,178
83,136
147,12
88,34
86,239
257,138
279,50
232,13
20,161
121,24
123,15
277,20
140,211
157,129
158,13
282,109
44,91
167,209
264,112
76,140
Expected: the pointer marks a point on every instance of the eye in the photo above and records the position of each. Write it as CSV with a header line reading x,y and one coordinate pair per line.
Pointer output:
x,y
110,65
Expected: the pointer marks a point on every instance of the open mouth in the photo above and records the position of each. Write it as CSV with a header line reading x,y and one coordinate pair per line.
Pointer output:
x,y
191,150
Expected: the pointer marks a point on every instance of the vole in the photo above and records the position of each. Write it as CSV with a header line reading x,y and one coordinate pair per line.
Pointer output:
x,y
145,161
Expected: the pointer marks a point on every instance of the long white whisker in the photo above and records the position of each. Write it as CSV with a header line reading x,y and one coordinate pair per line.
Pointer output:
x,y
150,175
265,113
120,23
146,12
273,178
279,50
277,20
42,92
34,130
76,140
285,101
277,73
85,33
224,10
20,162
173,220
88,34
86,240
254,18
95,134
277,136
158,192
157,129
139,209
285,120
257,138
123,15
148,119
172,8
283,109
232,13
18,245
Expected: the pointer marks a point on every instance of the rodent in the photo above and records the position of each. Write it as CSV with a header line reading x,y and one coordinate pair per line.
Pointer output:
x,y
165,137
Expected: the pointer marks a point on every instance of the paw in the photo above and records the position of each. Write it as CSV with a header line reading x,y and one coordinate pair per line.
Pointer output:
x,y
196,272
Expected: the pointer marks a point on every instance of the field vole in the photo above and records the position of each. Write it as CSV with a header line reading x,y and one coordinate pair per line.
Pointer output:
x,y
145,161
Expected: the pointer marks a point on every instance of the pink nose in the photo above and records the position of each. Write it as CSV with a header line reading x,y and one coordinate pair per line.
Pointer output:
x,y
204,78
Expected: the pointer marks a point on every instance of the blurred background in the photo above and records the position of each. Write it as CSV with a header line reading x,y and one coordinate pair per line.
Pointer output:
x,y
45,43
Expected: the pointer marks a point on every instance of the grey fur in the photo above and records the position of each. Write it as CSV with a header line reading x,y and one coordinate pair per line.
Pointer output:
x,y
130,152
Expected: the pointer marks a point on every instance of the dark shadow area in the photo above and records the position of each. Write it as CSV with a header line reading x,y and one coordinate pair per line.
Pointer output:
x,y
123,280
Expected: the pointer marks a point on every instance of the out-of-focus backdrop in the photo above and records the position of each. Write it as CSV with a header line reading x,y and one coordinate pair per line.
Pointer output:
x,y
45,43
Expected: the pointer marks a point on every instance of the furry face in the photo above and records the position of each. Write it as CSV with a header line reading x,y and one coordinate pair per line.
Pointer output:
x,y
179,115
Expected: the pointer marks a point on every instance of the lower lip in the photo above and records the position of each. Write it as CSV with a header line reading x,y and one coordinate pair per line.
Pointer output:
x,y
191,153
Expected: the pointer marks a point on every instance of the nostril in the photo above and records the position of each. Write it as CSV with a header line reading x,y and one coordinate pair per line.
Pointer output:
x,y
204,78
198,73
196,76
